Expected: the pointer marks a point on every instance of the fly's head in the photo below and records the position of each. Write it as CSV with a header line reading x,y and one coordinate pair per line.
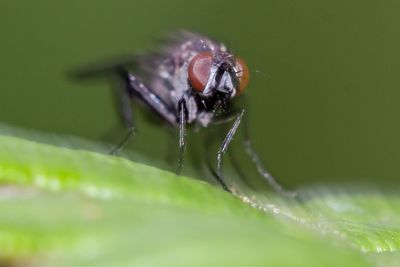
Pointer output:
x,y
217,76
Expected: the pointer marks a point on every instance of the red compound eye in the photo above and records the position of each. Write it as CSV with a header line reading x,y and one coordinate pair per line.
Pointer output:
x,y
199,70
242,73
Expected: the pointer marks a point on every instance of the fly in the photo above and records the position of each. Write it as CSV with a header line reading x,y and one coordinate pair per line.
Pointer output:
x,y
192,80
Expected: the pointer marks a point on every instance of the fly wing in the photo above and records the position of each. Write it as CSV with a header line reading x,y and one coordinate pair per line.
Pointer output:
x,y
104,67
175,49
163,70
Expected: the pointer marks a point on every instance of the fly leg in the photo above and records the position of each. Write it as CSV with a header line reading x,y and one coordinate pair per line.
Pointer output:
x,y
131,87
250,151
123,93
163,110
182,133
135,88
261,169
124,96
222,150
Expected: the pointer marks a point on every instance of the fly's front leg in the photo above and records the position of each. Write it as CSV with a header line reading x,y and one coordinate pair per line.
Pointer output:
x,y
182,133
224,147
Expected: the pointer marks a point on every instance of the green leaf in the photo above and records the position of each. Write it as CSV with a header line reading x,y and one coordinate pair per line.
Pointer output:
x,y
68,207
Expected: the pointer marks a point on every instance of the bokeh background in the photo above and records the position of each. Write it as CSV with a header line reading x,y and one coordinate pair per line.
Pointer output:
x,y
324,102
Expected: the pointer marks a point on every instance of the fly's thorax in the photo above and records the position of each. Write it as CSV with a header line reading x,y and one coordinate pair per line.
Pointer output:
x,y
179,80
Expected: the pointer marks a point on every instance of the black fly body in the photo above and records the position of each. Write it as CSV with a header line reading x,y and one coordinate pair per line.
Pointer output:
x,y
193,80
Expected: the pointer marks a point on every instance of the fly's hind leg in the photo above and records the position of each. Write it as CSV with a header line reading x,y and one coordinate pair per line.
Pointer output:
x,y
132,87
129,88
124,94
135,88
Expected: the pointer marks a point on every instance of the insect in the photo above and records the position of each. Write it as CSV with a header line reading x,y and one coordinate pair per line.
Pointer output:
x,y
192,80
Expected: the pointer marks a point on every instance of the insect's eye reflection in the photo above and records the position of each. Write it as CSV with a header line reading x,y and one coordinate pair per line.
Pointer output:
x,y
200,68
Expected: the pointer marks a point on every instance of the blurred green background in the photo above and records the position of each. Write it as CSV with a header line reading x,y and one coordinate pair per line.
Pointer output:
x,y
325,107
